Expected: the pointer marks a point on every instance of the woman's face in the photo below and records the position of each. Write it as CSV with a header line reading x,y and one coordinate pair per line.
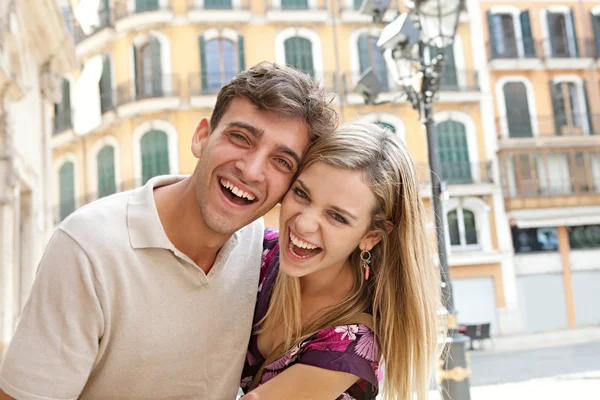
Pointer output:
x,y
324,217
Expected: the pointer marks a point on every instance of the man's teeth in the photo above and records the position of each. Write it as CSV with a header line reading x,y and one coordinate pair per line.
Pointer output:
x,y
236,190
299,243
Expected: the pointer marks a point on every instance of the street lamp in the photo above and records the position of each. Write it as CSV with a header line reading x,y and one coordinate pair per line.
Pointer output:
x,y
418,76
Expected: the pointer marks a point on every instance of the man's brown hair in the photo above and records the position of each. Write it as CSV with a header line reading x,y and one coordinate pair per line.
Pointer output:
x,y
283,90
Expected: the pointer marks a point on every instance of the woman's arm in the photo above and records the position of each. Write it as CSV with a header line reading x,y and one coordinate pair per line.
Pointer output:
x,y
304,382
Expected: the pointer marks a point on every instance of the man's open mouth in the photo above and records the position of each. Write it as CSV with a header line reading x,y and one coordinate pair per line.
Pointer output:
x,y
301,249
235,194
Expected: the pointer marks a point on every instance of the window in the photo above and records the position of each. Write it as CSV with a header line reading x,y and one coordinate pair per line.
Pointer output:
x,y
220,60
62,110
370,56
569,104
106,93
449,80
530,240
294,4
584,236
67,189
357,4
518,118
155,155
218,4
298,54
562,40
148,69
104,13
510,34
462,228
596,28
453,152
146,5
387,126
106,171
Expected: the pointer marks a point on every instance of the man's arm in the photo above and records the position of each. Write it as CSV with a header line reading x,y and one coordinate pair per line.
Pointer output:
x,y
57,340
302,382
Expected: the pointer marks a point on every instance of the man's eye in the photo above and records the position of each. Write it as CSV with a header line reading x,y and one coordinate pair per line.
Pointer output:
x,y
238,137
285,163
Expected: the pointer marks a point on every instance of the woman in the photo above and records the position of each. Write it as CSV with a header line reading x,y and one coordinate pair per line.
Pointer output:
x,y
352,241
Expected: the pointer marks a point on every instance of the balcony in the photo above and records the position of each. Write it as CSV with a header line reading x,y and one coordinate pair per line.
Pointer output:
x,y
459,173
459,86
568,53
63,122
550,178
294,12
226,11
142,14
148,95
521,125
513,54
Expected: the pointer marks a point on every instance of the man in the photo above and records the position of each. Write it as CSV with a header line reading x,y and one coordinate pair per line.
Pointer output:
x,y
150,293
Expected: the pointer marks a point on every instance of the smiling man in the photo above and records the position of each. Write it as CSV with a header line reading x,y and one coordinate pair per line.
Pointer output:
x,y
150,293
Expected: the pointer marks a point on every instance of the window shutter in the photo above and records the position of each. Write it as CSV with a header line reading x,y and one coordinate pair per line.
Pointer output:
x,y
136,69
65,87
574,33
364,60
155,155
298,54
470,227
587,108
453,229
156,68
596,28
493,39
550,33
357,4
106,95
294,4
241,55
67,189
528,44
203,70
558,107
453,152
106,171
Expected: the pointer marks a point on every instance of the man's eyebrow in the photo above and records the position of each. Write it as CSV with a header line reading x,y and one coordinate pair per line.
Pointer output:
x,y
254,131
291,153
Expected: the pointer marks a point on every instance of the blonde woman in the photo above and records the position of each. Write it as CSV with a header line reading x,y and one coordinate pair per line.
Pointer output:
x,y
347,284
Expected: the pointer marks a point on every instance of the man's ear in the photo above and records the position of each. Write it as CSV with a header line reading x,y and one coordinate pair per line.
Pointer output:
x,y
201,133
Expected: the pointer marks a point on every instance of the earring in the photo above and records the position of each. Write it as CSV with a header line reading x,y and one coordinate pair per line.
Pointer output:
x,y
365,257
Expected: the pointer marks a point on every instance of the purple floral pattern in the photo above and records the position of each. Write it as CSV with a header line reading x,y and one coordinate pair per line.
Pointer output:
x,y
346,348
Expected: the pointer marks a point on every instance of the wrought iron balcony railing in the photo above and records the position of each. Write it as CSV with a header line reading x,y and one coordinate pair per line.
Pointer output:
x,y
520,124
459,173
151,87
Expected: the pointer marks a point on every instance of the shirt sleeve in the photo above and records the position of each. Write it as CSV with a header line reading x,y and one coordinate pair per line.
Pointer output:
x,y
346,348
57,339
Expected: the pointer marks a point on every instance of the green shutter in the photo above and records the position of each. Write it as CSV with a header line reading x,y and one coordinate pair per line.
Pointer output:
x,y
203,69
357,4
453,229
518,118
364,59
65,87
241,56
218,4
493,39
558,107
453,152
528,43
136,69
298,54
587,108
67,189
146,5
106,95
106,171
574,32
294,4
155,155
596,28
551,33
449,80
157,77
470,227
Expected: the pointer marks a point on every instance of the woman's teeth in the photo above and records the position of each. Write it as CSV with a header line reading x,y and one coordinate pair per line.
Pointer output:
x,y
302,249
300,243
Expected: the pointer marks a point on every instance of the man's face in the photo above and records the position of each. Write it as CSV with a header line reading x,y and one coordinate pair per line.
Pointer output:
x,y
246,164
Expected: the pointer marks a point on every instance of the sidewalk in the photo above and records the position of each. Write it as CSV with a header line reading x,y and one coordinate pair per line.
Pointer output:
x,y
531,341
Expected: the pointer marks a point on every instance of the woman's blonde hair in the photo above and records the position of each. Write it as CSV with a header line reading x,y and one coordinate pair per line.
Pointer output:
x,y
404,291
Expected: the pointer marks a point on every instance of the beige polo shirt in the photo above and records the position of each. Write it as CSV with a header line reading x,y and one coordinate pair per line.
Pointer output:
x,y
116,311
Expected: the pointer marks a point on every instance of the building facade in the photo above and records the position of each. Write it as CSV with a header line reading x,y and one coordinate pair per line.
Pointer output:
x,y
35,47
514,126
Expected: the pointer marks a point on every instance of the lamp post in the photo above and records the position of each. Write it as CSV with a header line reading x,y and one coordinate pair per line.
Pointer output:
x,y
406,44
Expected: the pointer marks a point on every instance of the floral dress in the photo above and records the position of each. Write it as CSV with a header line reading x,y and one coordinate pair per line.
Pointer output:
x,y
347,348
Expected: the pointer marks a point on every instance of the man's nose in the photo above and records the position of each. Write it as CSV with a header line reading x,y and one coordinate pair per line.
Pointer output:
x,y
252,167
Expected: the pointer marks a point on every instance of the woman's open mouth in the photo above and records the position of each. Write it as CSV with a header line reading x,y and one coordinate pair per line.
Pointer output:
x,y
300,248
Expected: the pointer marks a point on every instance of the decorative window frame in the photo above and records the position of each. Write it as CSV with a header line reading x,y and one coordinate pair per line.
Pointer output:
x,y
317,48
93,164
56,166
579,82
471,132
165,57
516,16
557,9
530,103
389,119
481,211
173,141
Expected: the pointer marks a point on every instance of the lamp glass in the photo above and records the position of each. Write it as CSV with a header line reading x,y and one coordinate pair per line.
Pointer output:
x,y
439,20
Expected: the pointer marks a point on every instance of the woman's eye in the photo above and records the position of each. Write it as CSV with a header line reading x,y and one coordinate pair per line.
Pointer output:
x,y
339,218
300,193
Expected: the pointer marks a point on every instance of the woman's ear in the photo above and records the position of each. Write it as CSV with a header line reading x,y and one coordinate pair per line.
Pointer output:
x,y
389,226
369,241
